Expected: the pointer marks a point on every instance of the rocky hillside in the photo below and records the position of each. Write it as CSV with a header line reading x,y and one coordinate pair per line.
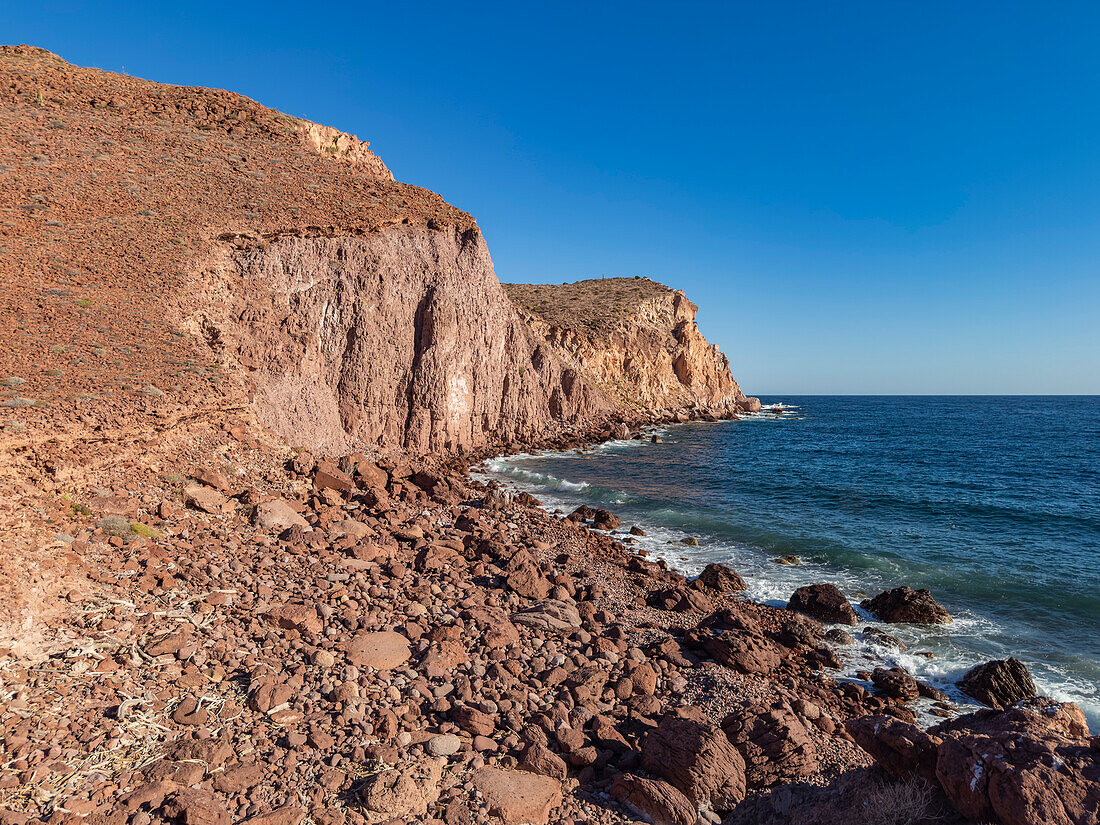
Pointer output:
x,y
635,339
171,250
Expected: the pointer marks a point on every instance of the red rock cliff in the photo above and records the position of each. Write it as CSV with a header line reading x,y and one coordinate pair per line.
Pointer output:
x,y
636,340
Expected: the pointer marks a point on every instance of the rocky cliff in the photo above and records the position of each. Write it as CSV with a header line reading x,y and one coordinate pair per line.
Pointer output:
x,y
172,250
401,338
636,340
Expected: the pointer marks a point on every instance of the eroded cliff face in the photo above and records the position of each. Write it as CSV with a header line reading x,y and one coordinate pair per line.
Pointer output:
x,y
397,339
643,348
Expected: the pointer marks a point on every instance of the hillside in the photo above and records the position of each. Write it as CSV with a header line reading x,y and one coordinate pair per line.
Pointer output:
x,y
635,339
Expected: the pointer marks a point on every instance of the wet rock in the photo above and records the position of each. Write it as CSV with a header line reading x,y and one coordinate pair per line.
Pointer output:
x,y
606,520
999,683
654,799
723,579
839,636
823,602
896,683
906,605
694,754
881,638
518,797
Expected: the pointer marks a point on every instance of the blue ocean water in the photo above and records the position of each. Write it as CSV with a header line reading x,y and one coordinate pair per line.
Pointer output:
x,y
991,502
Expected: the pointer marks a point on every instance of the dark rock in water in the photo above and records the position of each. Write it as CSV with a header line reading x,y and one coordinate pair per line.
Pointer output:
x,y
906,605
884,639
656,439
637,531
839,637
788,560
690,541
582,513
999,683
721,578
896,683
934,693
823,602
606,520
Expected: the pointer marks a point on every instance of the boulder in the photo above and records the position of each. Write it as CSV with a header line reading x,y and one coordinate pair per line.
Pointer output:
x,y
722,579
606,520
896,683
538,758
775,745
295,616
207,499
1033,762
549,614
745,652
402,792
382,650
518,797
999,683
694,754
655,800
906,605
679,598
823,602
277,515
901,749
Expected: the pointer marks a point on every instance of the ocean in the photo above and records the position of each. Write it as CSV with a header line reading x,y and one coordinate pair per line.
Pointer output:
x,y
993,503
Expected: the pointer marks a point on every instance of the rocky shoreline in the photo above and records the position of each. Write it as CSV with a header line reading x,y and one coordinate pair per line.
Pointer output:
x,y
200,624
279,639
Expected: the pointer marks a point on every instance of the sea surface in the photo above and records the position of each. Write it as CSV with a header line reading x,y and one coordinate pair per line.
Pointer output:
x,y
991,502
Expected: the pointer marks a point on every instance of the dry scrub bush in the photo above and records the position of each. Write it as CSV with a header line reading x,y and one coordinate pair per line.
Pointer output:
x,y
899,803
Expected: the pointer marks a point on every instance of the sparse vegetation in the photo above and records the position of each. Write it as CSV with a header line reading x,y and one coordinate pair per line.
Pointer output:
x,y
899,803
589,304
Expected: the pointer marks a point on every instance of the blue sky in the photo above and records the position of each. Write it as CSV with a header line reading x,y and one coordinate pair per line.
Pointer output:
x,y
862,197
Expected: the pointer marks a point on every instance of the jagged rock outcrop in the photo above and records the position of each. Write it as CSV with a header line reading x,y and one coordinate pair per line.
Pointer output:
x,y
1032,762
635,339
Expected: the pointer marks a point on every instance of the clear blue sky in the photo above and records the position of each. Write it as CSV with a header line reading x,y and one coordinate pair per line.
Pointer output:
x,y
863,197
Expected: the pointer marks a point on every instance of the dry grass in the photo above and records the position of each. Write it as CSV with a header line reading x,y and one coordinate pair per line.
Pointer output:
x,y
899,803
595,304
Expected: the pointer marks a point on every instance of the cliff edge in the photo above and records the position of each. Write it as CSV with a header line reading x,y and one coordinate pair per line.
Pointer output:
x,y
636,340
